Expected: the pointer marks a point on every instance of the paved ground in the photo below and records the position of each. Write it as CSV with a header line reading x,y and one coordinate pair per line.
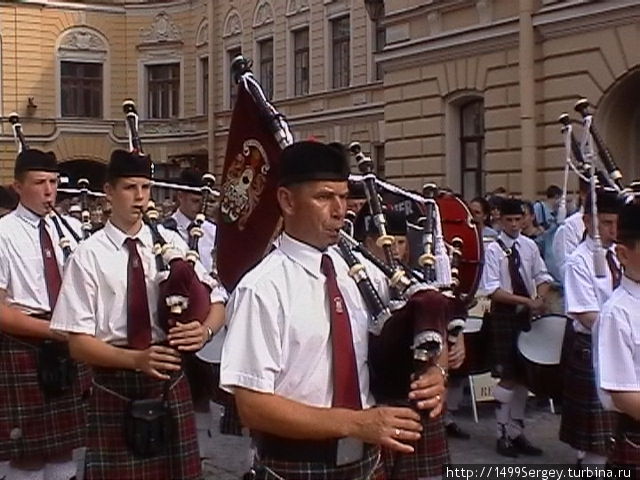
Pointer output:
x,y
230,457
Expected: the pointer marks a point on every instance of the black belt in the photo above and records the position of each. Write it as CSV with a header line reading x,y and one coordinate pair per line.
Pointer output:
x,y
314,451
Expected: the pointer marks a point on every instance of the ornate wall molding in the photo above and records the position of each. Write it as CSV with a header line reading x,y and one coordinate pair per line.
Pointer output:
x,y
263,14
202,37
232,24
163,29
297,6
82,39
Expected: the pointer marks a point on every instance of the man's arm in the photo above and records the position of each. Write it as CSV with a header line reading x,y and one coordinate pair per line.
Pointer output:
x,y
153,361
190,337
280,416
15,322
627,402
503,296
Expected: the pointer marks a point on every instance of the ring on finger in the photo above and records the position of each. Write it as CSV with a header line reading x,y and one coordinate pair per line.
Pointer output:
x,y
438,398
397,432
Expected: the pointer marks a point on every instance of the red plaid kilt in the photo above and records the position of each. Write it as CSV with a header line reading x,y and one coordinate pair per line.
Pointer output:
x,y
366,469
107,454
431,454
32,426
585,425
504,328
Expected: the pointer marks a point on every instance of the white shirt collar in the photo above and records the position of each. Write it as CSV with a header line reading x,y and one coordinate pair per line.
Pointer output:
x,y
305,255
630,286
28,216
181,219
117,236
507,240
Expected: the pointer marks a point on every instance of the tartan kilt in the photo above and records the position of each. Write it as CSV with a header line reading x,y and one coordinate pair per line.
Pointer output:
x,y
32,426
504,328
366,469
430,455
585,425
108,456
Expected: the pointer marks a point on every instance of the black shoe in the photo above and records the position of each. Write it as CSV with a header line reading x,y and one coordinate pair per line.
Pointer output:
x,y
454,431
524,447
505,448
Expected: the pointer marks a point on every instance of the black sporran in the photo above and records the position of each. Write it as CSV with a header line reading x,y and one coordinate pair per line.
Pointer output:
x,y
147,426
56,370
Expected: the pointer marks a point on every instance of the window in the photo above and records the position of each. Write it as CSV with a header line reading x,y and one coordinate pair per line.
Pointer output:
x,y
163,86
301,61
233,87
380,42
472,147
265,48
81,89
379,153
340,41
204,87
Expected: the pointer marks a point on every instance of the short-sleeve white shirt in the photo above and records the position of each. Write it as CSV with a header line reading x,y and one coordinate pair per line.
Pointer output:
x,y
617,359
21,263
93,297
278,339
207,242
583,291
495,273
566,239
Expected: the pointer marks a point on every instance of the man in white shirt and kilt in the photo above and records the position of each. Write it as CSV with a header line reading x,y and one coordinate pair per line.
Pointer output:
x,y
140,422
516,279
617,343
585,425
296,349
42,405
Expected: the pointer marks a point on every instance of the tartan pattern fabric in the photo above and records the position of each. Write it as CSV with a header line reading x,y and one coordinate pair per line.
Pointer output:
x,y
585,425
625,453
107,454
504,329
366,469
431,454
31,425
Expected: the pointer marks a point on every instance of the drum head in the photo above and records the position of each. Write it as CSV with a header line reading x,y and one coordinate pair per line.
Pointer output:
x,y
472,325
543,343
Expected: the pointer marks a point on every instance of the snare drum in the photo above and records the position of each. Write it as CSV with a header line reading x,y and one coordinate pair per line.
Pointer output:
x,y
476,358
540,350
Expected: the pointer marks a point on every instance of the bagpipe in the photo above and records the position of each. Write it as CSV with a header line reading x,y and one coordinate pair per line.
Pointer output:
x,y
183,297
406,335
59,222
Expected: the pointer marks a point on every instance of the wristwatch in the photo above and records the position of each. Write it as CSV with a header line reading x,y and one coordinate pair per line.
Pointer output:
x,y
209,334
443,371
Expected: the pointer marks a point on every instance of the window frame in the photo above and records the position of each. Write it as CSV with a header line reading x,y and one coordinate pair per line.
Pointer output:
x,y
299,84
176,103
340,73
98,90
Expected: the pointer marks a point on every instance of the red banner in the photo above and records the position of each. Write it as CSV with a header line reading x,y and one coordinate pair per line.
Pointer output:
x,y
249,213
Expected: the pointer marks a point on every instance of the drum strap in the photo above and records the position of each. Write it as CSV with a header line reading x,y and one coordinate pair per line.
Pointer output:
x,y
513,257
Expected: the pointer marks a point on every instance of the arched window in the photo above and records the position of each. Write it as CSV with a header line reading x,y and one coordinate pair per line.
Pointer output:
x,y
472,148
82,56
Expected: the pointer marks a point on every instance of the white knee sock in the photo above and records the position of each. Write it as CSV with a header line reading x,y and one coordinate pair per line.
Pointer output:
x,y
518,404
19,474
203,427
60,470
593,459
455,392
504,396
4,468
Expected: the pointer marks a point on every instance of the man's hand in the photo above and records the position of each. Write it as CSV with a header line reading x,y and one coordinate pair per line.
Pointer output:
x,y
157,359
456,353
427,391
391,427
188,337
537,306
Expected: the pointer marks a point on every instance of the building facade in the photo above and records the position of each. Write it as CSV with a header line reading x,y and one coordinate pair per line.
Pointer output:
x,y
463,92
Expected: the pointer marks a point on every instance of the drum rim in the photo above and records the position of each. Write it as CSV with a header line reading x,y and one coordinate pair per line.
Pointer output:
x,y
537,362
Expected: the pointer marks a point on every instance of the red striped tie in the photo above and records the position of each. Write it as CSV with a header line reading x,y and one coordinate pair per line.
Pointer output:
x,y
346,388
51,269
138,318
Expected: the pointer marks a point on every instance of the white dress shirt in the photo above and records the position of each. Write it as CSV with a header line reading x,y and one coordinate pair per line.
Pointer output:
x,y
207,242
21,263
617,336
279,326
583,291
495,273
93,298
566,240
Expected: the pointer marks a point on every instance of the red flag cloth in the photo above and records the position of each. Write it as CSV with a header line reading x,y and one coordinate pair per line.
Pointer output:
x,y
249,212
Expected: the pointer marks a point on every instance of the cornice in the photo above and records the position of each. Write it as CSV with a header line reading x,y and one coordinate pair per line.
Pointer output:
x,y
452,44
